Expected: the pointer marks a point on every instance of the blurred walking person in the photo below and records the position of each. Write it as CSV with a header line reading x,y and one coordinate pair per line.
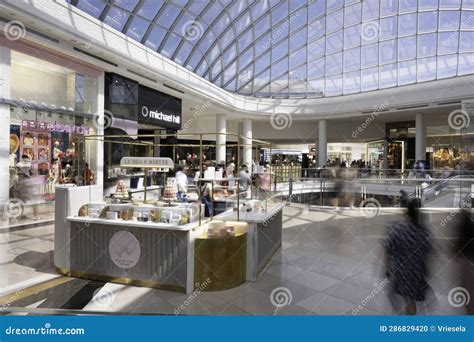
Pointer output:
x,y
464,249
407,248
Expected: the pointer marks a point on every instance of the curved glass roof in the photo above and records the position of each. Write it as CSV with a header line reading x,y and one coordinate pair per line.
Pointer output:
x,y
302,48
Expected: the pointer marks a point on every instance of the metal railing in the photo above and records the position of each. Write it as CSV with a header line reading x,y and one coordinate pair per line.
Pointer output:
x,y
450,192
295,172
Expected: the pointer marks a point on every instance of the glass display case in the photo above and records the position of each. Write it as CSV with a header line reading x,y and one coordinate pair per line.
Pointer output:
x,y
253,203
158,212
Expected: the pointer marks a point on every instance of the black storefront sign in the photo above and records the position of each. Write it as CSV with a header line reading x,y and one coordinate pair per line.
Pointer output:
x,y
158,109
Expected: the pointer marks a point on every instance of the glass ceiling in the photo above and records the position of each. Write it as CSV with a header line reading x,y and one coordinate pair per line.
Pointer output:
x,y
302,48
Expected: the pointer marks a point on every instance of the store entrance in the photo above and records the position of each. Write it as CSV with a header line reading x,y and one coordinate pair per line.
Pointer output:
x,y
387,154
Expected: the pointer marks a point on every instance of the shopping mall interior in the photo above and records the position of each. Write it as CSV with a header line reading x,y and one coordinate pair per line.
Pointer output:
x,y
236,157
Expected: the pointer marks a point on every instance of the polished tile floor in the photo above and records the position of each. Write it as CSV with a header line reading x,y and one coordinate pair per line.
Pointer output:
x,y
330,264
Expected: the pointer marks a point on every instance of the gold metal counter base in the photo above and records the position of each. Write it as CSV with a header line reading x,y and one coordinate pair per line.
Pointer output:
x,y
221,260
125,281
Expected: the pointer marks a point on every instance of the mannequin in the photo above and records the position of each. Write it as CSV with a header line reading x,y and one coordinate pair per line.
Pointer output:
x,y
55,172
57,153
68,174
71,152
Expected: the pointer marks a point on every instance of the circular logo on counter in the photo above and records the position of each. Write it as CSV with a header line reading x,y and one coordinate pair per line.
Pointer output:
x,y
145,111
124,249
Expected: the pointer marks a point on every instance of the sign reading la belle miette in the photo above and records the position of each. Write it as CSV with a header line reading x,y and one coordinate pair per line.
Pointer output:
x,y
147,162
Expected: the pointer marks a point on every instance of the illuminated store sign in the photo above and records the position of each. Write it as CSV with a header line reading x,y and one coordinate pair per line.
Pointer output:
x,y
160,116
158,109
147,162
43,126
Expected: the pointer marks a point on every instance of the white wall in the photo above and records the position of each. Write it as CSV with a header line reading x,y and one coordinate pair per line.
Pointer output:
x,y
34,82
307,131
201,124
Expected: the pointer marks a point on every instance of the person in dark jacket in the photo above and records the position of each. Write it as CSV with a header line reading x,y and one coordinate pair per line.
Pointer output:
x,y
464,249
407,247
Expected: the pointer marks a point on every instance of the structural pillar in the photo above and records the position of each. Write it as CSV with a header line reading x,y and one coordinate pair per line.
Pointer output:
x,y
220,138
5,62
99,179
322,143
420,138
247,143
156,140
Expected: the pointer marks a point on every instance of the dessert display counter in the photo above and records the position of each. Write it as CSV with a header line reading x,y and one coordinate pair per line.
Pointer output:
x,y
264,233
167,247
107,247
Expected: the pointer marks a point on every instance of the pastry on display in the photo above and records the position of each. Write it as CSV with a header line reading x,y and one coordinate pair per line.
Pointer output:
x,y
127,214
178,215
83,211
121,191
155,215
184,217
169,193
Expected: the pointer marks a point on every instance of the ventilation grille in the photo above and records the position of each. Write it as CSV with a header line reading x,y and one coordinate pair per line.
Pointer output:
x,y
173,88
449,103
378,110
95,57
413,107
143,76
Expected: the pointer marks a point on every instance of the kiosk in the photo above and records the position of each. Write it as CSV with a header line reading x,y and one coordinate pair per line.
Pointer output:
x,y
162,244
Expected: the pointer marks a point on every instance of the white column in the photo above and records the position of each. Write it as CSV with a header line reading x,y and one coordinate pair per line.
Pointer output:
x,y
247,141
220,138
156,140
322,143
420,138
5,62
100,144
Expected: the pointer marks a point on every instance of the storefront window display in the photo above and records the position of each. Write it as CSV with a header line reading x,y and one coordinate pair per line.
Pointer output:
x,y
49,147
396,159
375,153
446,147
446,156
51,110
346,152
